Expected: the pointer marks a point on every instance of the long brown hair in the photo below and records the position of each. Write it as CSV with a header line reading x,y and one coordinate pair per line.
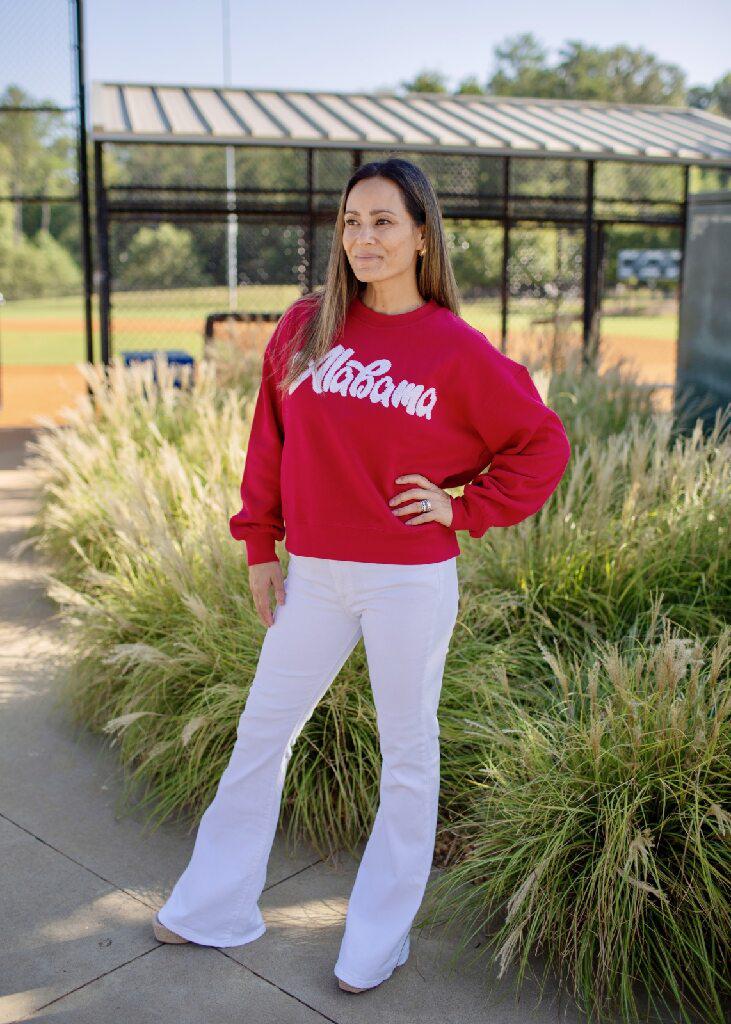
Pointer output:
x,y
326,308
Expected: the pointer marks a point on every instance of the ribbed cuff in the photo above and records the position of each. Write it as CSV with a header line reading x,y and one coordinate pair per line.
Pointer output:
x,y
260,548
459,513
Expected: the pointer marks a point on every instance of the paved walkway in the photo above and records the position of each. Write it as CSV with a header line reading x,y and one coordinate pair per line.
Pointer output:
x,y
82,875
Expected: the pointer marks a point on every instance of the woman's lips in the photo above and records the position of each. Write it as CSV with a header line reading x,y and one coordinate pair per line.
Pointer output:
x,y
368,257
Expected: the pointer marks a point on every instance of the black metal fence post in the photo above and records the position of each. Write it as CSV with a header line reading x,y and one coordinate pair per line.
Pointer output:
x,y
83,170
310,259
683,228
504,278
588,263
102,238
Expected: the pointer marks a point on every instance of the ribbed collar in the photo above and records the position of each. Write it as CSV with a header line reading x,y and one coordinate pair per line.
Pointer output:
x,y
360,311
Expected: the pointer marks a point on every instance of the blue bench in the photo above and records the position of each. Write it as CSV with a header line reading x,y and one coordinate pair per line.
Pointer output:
x,y
173,357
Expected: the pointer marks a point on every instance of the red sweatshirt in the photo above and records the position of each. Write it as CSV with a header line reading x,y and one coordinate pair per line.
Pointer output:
x,y
416,392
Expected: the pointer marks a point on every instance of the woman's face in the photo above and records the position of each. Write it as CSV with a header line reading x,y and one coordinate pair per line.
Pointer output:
x,y
379,237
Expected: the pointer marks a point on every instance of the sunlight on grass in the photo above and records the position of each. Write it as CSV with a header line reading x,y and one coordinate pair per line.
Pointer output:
x,y
50,331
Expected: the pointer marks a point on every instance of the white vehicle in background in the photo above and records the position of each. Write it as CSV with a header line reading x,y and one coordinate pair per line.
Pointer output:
x,y
648,264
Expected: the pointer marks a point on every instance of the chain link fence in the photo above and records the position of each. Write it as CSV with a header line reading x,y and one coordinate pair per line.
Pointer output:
x,y
193,239
516,230
41,247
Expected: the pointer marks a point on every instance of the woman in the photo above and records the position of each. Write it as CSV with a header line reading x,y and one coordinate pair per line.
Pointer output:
x,y
375,396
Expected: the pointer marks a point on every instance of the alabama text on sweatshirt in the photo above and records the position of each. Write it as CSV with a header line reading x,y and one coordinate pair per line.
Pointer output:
x,y
396,394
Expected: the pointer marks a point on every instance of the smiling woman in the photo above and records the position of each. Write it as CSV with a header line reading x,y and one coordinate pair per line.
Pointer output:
x,y
374,382
382,239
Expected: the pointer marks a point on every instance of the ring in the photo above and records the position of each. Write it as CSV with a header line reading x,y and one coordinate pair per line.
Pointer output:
x,y
425,505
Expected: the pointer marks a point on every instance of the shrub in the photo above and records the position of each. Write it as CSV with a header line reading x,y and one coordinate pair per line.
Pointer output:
x,y
164,641
602,828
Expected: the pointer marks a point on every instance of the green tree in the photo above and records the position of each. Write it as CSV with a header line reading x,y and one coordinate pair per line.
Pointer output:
x,y
426,81
475,252
721,96
32,267
521,68
715,98
38,154
619,73
162,257
470,86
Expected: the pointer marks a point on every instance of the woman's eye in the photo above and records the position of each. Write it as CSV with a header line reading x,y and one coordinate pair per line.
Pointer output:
x,y
380,220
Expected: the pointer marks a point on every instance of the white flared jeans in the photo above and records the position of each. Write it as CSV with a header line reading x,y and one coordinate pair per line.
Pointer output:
x,y
406,616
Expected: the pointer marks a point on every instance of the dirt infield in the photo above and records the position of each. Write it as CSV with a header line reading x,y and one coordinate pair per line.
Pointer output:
x,y
28,392
119,323
653,358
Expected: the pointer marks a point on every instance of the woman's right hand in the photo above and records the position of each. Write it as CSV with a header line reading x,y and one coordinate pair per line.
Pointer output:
x,y
261,577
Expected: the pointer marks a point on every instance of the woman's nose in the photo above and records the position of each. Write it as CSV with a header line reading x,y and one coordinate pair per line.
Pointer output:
x,y
365,235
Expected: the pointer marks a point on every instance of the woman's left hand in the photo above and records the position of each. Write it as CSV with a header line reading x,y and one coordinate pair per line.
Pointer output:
x,y
441,503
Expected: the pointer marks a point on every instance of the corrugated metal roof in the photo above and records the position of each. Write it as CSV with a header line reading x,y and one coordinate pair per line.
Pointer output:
x,y
495,125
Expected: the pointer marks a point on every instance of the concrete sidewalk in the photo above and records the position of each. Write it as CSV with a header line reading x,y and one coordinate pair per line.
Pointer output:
x,y
82,877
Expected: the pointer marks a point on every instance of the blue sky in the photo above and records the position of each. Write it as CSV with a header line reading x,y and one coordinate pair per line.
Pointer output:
x,y
341,46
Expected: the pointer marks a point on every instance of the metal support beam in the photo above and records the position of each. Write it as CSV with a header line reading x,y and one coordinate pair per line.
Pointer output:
x,y
83,171
102,238
601,266
589,263
310,260
681,268
504,278
683,229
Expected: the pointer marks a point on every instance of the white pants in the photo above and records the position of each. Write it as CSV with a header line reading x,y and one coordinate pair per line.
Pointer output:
x,y
406,615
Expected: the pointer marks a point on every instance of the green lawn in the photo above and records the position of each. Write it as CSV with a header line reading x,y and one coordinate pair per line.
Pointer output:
x,y
50,331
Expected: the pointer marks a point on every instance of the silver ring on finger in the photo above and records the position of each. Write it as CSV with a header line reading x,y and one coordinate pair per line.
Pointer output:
x,y
425,505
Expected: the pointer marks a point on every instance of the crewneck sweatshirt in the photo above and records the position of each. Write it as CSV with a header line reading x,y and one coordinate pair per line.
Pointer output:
x,y
420,392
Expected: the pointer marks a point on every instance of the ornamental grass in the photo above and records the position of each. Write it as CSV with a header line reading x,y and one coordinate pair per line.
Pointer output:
x,y
598,830
153,596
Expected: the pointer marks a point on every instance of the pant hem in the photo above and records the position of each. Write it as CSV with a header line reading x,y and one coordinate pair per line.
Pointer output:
x,y
193,936
351,979
354,980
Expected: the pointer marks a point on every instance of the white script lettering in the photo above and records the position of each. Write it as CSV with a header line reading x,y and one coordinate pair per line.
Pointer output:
x,y
338,374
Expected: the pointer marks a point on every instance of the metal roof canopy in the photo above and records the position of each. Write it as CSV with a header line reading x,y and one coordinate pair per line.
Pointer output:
x,y
439,122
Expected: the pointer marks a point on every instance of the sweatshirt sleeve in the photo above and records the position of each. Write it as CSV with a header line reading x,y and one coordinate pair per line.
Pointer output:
x,y
527,443
259,522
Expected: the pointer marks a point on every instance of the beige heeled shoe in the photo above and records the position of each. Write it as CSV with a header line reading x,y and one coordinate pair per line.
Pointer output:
x,y
351,988
163,934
